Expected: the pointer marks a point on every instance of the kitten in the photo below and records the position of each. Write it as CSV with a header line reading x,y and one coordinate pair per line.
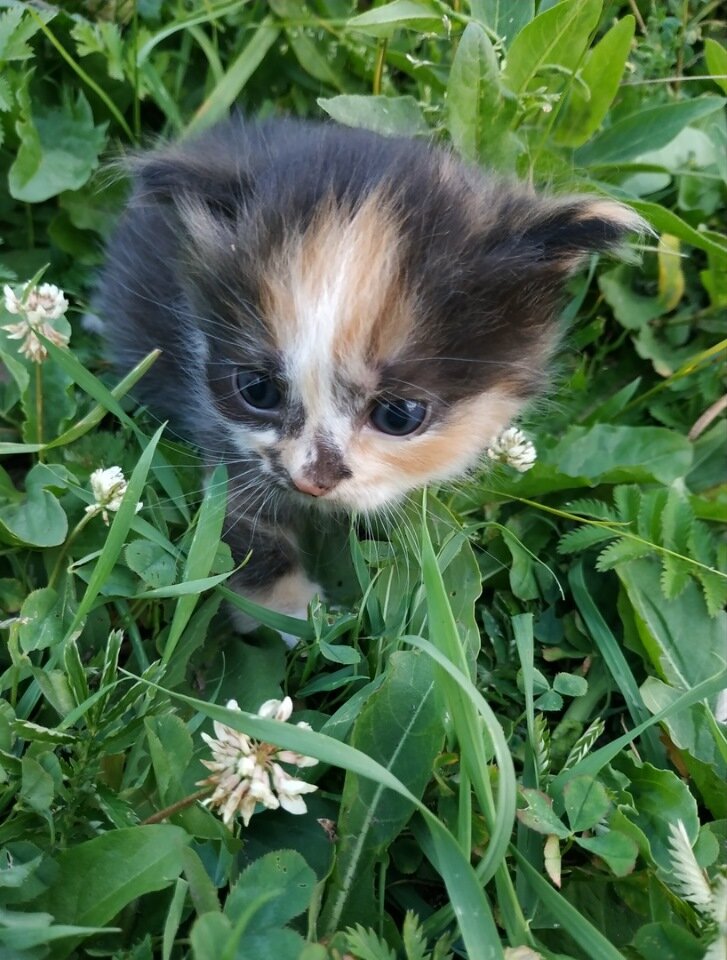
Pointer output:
x,y
343,317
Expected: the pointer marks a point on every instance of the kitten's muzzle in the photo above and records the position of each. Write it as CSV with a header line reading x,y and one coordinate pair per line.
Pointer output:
x,y
310,487
323,473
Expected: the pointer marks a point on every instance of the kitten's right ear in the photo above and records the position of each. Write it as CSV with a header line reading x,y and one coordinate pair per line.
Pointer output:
x,y
188,174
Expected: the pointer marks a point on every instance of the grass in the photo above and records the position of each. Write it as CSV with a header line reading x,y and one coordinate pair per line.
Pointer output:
x,y
515,693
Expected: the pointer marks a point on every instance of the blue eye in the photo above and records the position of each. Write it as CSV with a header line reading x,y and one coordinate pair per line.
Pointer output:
x,y
398,417
258,390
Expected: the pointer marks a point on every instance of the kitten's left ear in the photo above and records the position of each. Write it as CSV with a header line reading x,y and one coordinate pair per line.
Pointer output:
x,y
562,232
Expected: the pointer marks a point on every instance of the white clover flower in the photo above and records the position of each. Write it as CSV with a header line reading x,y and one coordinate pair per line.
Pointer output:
x,y
37,307
513,447
246,772
108,487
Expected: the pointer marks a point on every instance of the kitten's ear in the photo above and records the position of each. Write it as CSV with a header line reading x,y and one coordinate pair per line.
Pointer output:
x,y
561,233
190,174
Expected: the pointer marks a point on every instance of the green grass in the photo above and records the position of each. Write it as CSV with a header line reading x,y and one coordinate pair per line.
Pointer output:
x,y
515,693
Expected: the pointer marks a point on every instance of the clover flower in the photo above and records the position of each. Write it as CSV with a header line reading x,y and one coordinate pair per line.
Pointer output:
x,y
37,307
246,772
108,487
513,448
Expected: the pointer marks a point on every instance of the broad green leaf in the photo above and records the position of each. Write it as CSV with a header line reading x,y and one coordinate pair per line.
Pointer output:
x,y
539,816
663,624
660,799
59,150
383,20
151,562
37,788
570,684
645,130
558,35
44,627
716,56
601,73
694,730
505,18
668,941
390,116
473,88
287,880
632,310
615,848
615,454
38,519
96,879
401,729
586,803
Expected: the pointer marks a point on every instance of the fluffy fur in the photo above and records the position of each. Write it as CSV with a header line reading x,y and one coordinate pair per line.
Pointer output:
x,y
351,272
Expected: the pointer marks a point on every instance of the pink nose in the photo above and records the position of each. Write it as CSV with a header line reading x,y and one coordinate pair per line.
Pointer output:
x,y
309,487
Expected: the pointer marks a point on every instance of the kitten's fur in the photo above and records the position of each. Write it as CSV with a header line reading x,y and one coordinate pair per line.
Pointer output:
x,y
344,267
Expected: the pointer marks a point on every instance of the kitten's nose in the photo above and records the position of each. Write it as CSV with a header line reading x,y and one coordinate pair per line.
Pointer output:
x,y
309,487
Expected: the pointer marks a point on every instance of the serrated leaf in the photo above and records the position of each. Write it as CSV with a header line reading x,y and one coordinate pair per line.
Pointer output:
x,y
622,551
651,511
415,943
676,522
588,507
583,537
285,875
675,575
714,588
16,29
59,150
627,499
367,945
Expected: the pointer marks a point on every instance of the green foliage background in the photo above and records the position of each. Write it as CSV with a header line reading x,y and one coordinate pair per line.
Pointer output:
x,y
515,701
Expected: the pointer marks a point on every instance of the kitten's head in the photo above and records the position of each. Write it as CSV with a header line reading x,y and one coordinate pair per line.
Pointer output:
x,y
373,311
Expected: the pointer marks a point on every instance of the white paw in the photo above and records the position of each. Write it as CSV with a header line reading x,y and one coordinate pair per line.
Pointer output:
x,y
290,595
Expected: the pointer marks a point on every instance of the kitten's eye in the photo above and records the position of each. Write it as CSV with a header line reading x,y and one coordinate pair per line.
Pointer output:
x,y
398,417
258,390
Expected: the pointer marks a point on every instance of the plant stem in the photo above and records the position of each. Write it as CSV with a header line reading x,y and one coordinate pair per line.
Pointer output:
x,y
379,67
173,808
39,408
64,549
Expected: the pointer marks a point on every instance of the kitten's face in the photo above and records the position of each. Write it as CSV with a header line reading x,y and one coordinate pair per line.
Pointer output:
x,y
338,403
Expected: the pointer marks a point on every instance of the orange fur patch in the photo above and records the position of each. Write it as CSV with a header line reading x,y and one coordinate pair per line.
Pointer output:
x,y
345,262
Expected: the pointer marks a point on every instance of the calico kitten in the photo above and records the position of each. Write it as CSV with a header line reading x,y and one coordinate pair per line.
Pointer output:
x,y
343,317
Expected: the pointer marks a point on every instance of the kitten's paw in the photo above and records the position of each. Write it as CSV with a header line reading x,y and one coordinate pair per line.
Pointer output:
x,y
290,595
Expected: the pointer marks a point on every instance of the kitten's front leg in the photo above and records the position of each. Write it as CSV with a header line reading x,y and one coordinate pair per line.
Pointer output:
x,y
273,576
